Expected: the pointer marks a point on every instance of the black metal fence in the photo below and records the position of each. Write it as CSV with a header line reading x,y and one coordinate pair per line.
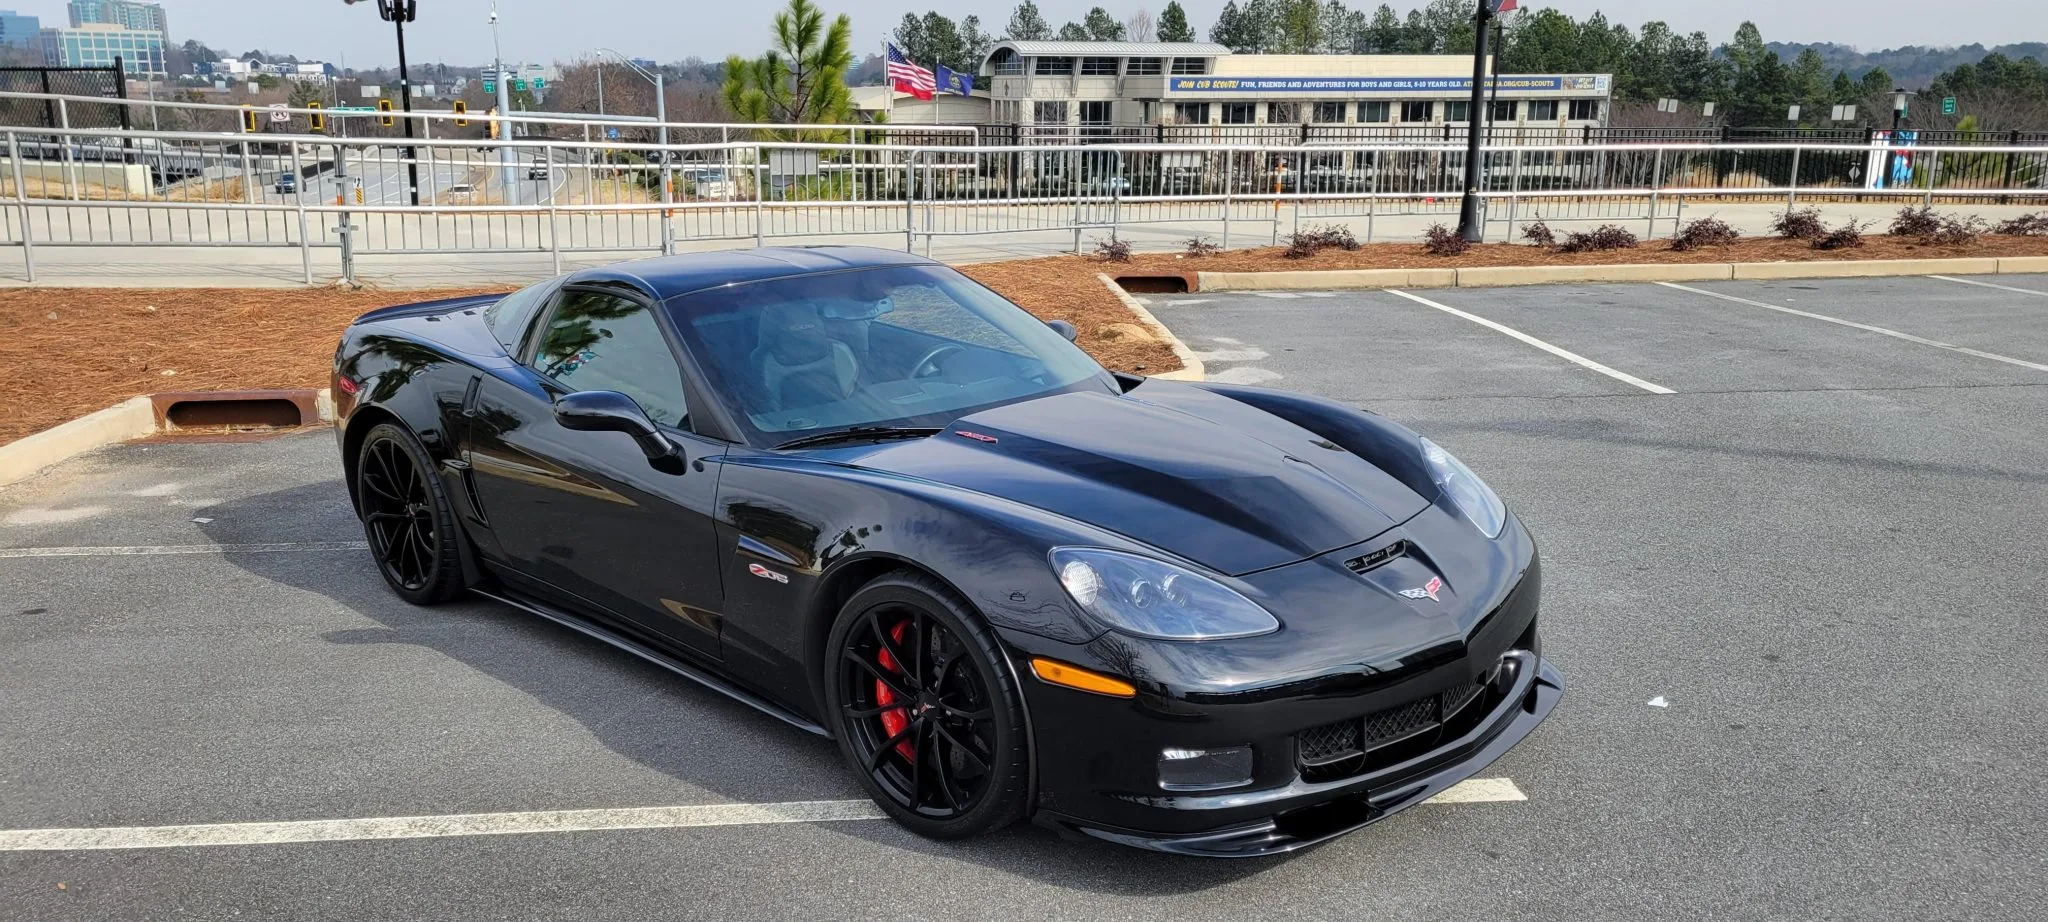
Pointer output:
x,y
106,82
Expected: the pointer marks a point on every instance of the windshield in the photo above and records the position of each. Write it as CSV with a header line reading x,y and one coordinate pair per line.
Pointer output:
x,y
900,346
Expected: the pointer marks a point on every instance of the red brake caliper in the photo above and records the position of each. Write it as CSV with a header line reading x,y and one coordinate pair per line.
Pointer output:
x,y
895,719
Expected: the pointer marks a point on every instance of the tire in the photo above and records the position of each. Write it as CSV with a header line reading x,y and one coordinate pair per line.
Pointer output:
x,y
971,771
407,518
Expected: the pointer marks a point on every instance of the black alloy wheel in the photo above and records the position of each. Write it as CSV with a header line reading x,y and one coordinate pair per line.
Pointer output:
x,y
406,517
927,719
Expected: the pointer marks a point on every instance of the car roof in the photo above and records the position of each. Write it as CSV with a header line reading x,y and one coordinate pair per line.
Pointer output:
x,y
669,276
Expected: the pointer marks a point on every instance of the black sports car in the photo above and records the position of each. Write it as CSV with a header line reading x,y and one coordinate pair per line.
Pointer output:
x,y
858,491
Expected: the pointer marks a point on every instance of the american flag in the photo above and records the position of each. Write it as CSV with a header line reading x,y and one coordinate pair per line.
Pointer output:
x,y
909,77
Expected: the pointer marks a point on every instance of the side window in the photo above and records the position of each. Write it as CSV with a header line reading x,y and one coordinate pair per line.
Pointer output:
x,y
512,314
596,341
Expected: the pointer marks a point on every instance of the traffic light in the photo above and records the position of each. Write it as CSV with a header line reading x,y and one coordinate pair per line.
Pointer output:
x,y
493,113
384,106
248,119
461,110
318,119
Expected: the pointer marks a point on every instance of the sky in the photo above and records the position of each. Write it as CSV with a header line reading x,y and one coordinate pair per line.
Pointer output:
x,y
458,31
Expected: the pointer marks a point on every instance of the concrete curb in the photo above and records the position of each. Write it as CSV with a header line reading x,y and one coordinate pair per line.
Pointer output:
x,y
133,418
1494,276
1191,367
25,457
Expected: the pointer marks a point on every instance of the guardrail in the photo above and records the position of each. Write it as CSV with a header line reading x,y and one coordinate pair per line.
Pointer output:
x,y
108,188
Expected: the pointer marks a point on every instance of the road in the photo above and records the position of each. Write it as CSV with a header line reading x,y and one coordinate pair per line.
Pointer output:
x,y
1798,599
383,179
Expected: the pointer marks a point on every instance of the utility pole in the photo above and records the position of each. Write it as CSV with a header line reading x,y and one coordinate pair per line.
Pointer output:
x,y
1469,225
505,169
398,13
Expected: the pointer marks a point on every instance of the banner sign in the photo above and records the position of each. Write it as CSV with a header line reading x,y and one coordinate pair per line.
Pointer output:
x,y
1577,83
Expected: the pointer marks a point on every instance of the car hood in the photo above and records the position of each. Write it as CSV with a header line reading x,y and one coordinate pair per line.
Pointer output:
x,y
1194,473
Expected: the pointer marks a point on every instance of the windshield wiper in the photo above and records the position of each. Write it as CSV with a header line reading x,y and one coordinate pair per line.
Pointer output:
x,y
859,433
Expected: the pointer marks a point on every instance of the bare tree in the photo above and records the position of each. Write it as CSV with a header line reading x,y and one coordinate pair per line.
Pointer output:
x,y
1138,28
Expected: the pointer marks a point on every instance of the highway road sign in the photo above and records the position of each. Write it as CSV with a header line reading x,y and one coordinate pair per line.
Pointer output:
x,y
1948,105
540,83
490,86
519,85
278,113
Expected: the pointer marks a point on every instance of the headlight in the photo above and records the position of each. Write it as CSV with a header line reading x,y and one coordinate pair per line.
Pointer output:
x,y
1467,492
1153,598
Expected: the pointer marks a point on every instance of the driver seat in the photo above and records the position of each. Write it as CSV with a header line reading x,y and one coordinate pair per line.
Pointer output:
x,y
796,364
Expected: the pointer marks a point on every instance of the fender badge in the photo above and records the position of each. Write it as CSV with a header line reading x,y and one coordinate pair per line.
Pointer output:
x,y
1427,590
975,436
765,573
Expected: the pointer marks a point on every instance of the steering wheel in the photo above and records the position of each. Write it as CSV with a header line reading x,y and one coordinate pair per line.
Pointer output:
x,y
929,365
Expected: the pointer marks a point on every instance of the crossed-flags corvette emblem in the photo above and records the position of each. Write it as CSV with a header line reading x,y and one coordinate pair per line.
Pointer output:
x,y
1427,590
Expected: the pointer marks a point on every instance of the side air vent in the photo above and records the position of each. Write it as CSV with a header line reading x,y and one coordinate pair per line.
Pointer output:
x,y
1376,558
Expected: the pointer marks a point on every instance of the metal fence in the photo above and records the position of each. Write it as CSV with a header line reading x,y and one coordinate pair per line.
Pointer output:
x,y
336,199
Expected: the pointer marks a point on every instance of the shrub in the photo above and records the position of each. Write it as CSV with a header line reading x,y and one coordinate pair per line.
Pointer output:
x,y
1915,222
1604,237
1444,241
2026,225
1956,231
1704,232
1848,236
1199,247
1113,250
1339,236
1302,245
1801,224
1538,234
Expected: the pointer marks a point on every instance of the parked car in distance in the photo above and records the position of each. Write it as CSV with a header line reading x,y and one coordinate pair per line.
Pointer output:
x,y
537,170
287,183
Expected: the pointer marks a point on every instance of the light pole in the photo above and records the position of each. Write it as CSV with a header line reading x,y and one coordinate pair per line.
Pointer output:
x,y
505,173
660,112
398,13
1468,205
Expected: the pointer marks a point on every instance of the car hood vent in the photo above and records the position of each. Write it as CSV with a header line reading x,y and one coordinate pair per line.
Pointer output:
x,y
1373,559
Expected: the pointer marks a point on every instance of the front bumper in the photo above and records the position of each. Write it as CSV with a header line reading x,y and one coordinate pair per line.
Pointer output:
x,y
1303,813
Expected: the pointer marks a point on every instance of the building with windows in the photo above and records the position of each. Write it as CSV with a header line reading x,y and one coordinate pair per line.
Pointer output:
x,y
97,45
1056,91
128,14
18,30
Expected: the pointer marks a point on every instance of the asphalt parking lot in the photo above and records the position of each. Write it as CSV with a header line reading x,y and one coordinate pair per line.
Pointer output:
x,y
1809,519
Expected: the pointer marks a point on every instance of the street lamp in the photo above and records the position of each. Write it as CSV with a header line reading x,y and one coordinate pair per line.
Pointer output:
x,y
1468,205
398,13
505,175
660,113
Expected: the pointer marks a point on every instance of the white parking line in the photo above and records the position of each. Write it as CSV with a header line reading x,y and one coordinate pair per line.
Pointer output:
x,y
1562,353
1474,790
154,550
2024,291
2009,360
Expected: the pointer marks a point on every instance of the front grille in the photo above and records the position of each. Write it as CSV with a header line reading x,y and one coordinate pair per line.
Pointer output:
x,y
1356,745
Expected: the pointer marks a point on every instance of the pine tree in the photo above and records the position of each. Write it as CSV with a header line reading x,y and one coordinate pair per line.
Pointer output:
x,y
1101,26
802,79
1027,25
1173,24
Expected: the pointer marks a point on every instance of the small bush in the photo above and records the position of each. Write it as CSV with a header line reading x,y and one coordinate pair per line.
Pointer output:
x,y
1113,250
1604,237
1704,232
1444,241
1339,236
1538,234
1199,247
2026,225
1848,236
1915,222
1801,224
1956,231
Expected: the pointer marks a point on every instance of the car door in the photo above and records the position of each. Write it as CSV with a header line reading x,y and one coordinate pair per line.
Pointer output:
x,y
584,515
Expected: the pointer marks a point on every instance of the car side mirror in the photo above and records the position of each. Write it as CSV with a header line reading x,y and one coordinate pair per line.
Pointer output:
x,y
1063,328
611,411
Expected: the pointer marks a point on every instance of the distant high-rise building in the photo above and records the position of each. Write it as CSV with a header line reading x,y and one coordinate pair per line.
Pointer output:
x,y
18,30
128,14
97,45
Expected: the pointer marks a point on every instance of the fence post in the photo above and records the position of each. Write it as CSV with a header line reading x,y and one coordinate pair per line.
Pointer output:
x,y
1227,163
1656,181
555,234
1792,189
2006,181
71,181
28,238
1933,169
1075,174
305,245
1372,195
248,179
760,198
910,202
1515,195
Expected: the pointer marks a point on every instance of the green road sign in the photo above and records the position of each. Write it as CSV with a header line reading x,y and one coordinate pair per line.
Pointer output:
x,y
1948,105
519,85
490,86
540,83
